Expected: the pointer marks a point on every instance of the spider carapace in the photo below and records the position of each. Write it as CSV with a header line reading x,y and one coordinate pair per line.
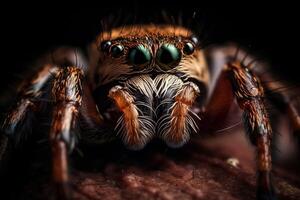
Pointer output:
x,y
143,82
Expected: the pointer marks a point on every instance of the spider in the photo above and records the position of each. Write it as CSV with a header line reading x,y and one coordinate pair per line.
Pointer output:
x,y
143,82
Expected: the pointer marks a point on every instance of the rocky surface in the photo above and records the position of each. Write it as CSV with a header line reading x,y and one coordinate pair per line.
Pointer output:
x,y
222,167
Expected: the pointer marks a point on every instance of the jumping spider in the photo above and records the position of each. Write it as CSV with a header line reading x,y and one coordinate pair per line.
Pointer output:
x,y
143,82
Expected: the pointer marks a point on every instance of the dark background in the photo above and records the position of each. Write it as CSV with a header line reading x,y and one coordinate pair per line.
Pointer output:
x,y
268,30
29,31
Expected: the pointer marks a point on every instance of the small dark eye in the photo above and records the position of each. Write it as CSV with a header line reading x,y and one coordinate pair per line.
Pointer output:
x,y
168,55
116,50
188,48
105,45
139,56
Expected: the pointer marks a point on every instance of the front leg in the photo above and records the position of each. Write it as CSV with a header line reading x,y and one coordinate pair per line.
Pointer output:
x,y
250,96
67,93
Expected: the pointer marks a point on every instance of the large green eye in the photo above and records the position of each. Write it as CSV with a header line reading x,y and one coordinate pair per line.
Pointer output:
x,y
139,56
168,56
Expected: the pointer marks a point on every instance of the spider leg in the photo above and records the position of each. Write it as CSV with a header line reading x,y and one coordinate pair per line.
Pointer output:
x,y
67,94
286,100
250,97
19,119
18,123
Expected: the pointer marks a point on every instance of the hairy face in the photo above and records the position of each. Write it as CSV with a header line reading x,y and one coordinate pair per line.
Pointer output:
x,y
150,75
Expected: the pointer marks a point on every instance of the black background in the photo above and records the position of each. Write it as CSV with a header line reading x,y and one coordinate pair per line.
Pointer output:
x,y
28,31
268,30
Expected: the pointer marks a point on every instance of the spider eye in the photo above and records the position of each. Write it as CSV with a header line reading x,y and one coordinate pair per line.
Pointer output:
x,y
116,50
139,56
188,48
195,40
104,46
168,55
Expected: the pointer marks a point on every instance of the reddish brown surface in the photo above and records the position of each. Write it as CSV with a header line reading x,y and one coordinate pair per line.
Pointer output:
x,y
196,171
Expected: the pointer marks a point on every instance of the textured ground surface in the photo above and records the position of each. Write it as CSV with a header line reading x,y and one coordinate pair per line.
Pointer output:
x,y
196,171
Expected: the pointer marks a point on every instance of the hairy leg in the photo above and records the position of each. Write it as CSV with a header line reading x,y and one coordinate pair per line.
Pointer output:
x,y
283,95
250,96
19,119
67,93
285,98
34,92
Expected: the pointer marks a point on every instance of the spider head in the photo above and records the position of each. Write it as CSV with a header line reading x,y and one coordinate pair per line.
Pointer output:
x,y
146,60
